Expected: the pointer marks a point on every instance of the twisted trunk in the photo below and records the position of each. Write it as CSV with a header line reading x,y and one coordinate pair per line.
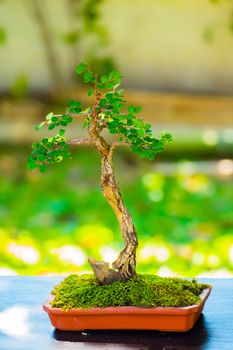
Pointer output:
x,y
126,261
125,265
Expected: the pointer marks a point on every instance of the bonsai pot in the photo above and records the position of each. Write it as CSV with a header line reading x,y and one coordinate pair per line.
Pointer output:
x,y
174,319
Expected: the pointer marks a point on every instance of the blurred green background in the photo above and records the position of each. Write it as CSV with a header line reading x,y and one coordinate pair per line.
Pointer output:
x,y
176,57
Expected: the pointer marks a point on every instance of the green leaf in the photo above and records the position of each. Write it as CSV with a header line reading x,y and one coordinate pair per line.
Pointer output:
x,y
139,123
32,164
45,141
114,74
69,119
39,126
63,123
81,68
61,132
51,126
35,145
54,119
147,126
103,103
73,103
131,109
49,116
140,132
137,109
110,85
42,168
167,137
90,92
100,86
88,77
74,106
41,157
104,79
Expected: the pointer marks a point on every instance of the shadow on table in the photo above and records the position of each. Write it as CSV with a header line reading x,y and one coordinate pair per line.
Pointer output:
x,y
194,339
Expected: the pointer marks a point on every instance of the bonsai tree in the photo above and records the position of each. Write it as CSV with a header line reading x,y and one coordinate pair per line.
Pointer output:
x,y
107,111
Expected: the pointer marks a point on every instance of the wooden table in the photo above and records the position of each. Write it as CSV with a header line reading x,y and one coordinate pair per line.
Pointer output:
x,y
25,326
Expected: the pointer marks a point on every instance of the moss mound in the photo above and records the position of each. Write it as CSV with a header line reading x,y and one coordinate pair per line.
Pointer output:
x,y
83,292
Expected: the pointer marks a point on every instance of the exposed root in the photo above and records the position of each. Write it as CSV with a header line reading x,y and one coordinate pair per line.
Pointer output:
x,y
123,268
103,273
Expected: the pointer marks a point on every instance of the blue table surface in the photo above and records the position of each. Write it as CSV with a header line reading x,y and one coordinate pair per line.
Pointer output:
x,y
25,326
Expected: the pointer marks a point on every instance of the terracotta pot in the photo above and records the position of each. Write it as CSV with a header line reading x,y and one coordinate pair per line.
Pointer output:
x,y
175,319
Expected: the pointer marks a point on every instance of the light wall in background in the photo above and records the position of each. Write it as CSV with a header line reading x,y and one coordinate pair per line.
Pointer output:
x,y
172,45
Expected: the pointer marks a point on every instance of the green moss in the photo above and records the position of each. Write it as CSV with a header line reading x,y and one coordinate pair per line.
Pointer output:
x,y
83,292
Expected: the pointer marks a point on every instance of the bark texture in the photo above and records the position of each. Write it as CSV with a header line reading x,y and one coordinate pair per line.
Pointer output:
x,y
124,267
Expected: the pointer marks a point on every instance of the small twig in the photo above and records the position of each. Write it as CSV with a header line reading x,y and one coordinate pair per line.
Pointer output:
x,y
73,114
78,142
94,113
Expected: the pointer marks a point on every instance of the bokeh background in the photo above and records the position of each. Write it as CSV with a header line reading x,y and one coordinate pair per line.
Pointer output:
x,y
177,60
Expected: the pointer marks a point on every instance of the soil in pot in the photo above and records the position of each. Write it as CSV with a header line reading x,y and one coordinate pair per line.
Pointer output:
x,y
83,292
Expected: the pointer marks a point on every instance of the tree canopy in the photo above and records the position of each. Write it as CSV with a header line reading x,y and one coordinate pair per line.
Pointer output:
x,y
108,111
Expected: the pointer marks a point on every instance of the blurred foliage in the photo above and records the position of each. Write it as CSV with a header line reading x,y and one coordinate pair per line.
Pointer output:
x,y
51,223
20,87
214,1
85,19
2,35
84,25
209,32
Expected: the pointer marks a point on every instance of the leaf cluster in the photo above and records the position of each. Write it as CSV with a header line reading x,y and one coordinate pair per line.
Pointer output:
x,y
137,134
128,127
48,151
52,120
106,81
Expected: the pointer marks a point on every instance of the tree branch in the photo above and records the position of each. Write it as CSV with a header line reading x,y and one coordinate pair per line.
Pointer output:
x,y
78,142
78,114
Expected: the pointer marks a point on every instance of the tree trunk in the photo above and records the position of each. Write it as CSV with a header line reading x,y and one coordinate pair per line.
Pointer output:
x,y
126,261
125,264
